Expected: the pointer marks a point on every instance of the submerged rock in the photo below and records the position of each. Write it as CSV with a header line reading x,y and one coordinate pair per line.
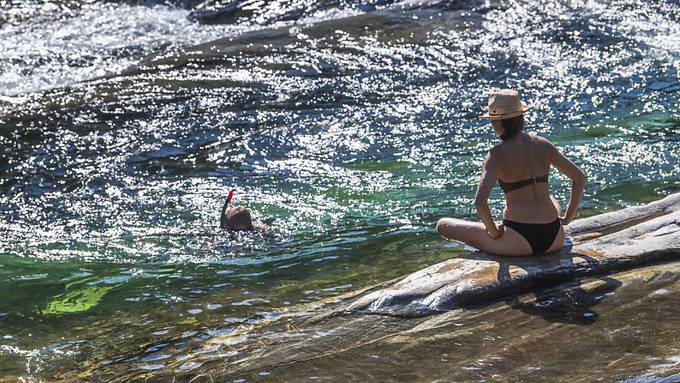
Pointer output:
x,y
259,12
218,12
601,244
624,321
582,322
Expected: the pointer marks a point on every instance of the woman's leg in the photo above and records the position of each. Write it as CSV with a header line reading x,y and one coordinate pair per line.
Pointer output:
x,y
475,235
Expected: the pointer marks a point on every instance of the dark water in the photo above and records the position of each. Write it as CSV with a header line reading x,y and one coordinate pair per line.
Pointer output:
x,y
348,127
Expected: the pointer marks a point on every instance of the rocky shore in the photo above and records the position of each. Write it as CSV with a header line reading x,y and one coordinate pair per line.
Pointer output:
x,y
600,244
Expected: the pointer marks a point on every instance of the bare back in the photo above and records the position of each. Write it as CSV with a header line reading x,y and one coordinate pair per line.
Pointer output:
x,y
520,158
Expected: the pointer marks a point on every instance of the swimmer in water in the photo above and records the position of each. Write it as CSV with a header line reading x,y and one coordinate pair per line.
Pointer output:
x,y
238,218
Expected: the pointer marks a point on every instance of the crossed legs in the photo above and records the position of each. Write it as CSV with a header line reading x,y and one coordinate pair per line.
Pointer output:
x,y
474,234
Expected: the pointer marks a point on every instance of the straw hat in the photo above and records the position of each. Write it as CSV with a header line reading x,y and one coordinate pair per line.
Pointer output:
x,y
504,104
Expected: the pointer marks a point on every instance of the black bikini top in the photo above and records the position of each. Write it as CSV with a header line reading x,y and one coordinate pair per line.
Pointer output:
x,y
510,186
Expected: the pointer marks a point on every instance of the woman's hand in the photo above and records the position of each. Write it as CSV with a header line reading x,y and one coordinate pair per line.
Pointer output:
x,y
497,232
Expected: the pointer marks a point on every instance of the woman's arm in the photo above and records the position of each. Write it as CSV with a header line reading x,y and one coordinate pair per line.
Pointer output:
x,y
578,182
489,176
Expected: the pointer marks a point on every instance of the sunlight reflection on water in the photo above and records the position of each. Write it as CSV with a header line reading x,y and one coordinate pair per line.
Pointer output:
x,y
349,136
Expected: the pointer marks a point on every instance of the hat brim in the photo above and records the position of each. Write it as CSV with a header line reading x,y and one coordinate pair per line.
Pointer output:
x,y
491,117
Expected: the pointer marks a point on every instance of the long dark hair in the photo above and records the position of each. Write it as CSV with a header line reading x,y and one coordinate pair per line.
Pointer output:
x,y
512,126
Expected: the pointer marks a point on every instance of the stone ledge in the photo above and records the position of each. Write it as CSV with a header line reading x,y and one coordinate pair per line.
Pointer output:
x,y
602,244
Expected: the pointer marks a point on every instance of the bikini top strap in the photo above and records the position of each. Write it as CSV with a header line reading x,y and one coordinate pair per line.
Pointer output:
x,y
510,186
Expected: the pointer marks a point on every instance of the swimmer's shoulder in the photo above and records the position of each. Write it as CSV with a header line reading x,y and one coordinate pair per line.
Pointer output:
x,y
263,229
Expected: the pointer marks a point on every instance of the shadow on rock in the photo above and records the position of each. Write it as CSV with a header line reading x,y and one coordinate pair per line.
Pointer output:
x,y
571,304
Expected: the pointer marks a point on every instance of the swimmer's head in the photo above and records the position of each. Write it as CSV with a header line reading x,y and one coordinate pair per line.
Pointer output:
x,y
237,218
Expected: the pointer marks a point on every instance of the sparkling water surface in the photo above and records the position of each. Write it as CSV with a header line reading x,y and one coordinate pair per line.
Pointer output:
x,y
349,129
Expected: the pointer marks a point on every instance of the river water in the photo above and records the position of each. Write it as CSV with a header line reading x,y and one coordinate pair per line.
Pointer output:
x,y
348,127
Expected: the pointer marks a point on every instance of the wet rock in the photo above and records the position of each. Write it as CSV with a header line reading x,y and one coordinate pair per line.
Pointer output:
x,y
229,12
218,12
601,244
625,321
269,40
259,12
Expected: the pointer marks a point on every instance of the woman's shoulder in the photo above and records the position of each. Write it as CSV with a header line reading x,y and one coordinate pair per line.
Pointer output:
x,y
537,138
544,146
496,151
541,142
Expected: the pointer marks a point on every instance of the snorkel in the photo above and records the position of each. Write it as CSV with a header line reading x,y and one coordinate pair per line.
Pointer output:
x,y
223,216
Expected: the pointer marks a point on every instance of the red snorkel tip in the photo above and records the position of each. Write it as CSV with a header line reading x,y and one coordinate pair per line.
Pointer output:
x,y
230,196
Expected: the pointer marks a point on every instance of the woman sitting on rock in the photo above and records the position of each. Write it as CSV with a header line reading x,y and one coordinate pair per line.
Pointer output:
x,y
520,163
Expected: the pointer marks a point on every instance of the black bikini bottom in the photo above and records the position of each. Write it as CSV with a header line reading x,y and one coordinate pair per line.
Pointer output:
x,y
539,235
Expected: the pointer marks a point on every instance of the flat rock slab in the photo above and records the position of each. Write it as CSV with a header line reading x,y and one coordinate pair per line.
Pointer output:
x,y
600,244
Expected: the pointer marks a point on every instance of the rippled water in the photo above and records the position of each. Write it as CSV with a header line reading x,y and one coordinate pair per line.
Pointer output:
x,y
349,130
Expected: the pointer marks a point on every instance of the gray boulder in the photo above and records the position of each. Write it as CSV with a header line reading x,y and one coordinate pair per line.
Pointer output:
x,y
600,244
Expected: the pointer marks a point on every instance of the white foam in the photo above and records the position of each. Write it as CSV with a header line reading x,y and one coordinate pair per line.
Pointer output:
x,y
44,53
